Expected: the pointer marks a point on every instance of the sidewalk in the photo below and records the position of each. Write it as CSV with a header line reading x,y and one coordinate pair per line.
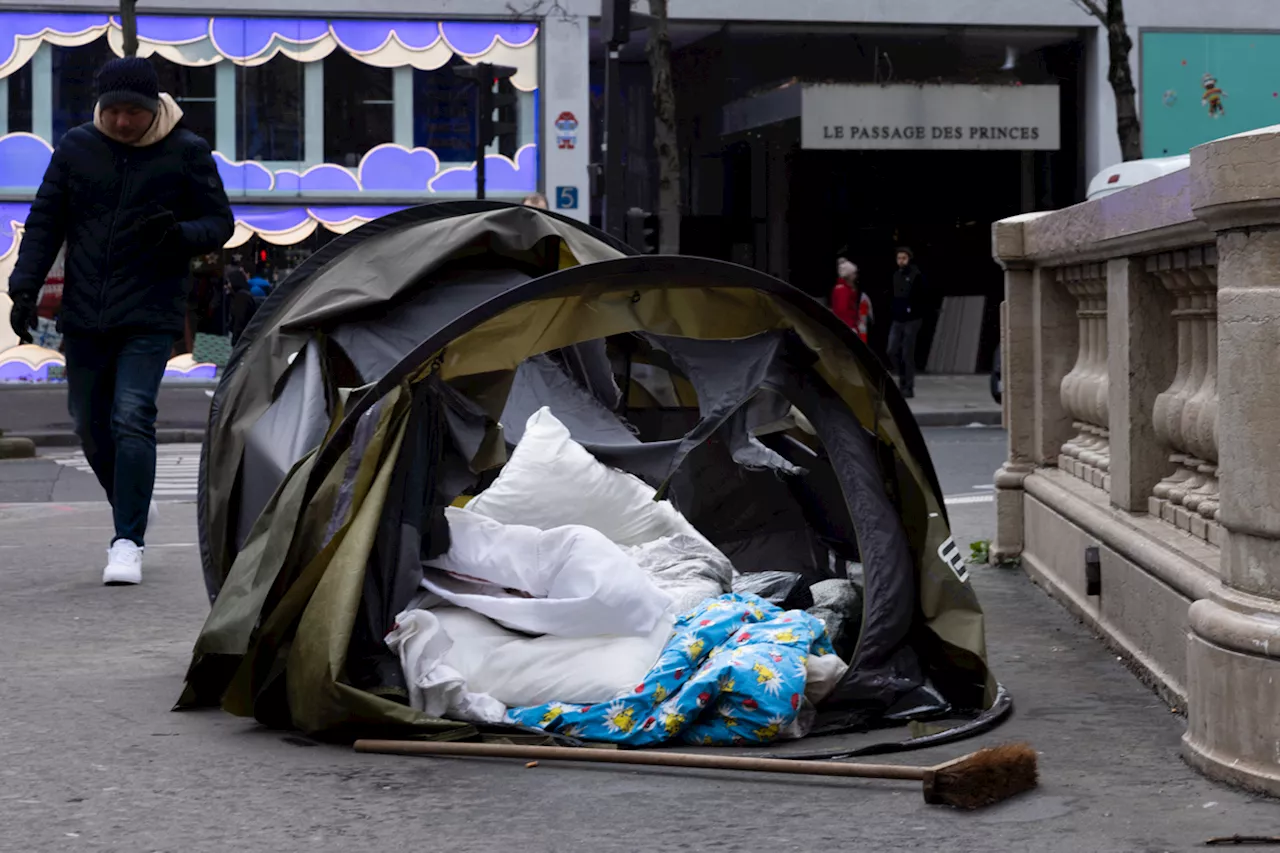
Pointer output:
x,y
954,401
95,760
39,412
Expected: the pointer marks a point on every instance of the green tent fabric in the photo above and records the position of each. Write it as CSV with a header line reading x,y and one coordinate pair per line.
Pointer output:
x,y
468,297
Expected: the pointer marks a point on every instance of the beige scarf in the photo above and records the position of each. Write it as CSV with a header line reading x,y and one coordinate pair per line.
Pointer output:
x,y
167,116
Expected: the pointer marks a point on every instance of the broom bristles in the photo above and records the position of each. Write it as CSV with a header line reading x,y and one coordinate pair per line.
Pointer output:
x,y
984,778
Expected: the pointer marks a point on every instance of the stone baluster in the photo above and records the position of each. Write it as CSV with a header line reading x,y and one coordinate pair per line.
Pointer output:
x,y
1072,381
1085,390
1202,503
1167,417
1185,415
1098,399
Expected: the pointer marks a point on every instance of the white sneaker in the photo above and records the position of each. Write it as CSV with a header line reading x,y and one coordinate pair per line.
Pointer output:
x,y
124,564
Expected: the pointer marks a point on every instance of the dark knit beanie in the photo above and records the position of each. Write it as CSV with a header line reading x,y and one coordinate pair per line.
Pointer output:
x,y
128,80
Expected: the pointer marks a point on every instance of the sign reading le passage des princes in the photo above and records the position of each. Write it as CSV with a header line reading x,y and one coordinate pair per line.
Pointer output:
x,y
930,117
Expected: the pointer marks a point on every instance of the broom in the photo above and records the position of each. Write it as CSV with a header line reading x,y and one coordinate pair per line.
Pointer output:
x,y
971,781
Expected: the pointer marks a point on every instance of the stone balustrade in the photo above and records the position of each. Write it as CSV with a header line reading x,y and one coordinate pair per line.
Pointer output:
x,y
1085,390
1142,400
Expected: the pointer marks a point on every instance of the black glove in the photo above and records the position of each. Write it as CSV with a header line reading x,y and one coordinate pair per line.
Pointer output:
x,y
22,319
158,226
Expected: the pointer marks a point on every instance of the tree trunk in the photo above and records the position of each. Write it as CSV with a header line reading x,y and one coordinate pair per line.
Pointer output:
x,y
664,137
1120,75
129,26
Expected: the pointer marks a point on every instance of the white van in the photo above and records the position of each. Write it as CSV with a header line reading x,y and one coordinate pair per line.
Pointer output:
x,y
1121,176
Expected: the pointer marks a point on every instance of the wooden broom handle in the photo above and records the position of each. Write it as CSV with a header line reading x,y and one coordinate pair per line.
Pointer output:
x,y
645,757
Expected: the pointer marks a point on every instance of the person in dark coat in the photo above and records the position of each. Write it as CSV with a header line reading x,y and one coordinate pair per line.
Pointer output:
x,y
134,195
910,302
243,306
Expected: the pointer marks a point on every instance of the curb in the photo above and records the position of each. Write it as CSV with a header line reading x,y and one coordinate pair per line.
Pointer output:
x,y
16,448
195,435
54,438
167,385
983,417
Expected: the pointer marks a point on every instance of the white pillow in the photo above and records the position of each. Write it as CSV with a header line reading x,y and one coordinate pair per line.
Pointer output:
x,y
569,581
551,481
520,671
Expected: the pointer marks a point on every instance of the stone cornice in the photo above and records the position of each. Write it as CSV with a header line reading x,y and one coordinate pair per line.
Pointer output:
x,y
1234,181
1152,217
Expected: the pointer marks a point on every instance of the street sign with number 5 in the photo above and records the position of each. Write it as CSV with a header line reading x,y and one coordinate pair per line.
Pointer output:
x,y
566,198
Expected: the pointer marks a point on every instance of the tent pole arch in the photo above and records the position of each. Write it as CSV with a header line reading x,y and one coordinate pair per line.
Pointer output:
x,y
302,277
642,272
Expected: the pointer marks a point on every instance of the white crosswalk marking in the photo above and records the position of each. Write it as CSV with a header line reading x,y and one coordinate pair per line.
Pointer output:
x,y
177,468
961,500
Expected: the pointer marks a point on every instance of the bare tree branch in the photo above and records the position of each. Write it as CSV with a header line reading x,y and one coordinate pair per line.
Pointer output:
x,y
1092,8
540,9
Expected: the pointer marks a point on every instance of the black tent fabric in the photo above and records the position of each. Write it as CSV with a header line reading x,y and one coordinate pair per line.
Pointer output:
x,y
791,451
413,529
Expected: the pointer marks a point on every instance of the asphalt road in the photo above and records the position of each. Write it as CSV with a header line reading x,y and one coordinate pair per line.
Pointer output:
x,y
91,757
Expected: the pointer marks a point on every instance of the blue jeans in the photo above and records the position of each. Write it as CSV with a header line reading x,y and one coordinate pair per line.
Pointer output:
x,y
112,383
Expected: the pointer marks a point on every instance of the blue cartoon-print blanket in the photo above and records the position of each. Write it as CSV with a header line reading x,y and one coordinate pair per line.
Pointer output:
x,y
733,672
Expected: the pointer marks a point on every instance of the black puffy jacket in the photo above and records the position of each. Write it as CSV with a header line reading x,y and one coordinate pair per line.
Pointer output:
x,y
95,195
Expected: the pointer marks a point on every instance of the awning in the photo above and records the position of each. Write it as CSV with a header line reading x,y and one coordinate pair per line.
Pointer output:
x,y
200,41
388,170
284,226
281,226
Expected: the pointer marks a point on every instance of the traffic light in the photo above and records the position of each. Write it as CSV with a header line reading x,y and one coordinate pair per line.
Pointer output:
x,y
503,129
504,115
615,22
643,230
503,102
649,234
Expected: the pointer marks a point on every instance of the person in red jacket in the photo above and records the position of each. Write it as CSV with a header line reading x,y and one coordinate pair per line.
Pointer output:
x,y
848,302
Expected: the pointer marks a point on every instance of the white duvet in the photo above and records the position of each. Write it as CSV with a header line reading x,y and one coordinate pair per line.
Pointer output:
x,y
462,664
522,615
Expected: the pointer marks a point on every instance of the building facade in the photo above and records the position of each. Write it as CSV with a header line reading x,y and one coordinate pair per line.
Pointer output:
x,y
826,127
319,122
324,116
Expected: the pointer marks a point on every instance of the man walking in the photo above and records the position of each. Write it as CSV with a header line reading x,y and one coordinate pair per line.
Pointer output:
x,y
134,195
909,305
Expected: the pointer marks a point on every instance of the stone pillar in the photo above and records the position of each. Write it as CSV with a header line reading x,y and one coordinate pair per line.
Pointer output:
x,y
1017,353
1233,657
1142,349
1021,372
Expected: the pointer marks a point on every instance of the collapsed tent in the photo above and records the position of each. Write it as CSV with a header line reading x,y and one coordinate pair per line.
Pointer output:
x,y
472,466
